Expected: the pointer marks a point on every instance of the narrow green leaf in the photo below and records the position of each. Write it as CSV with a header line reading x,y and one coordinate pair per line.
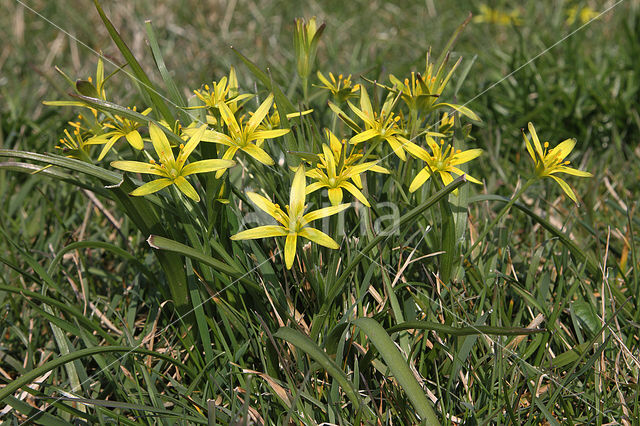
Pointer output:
x,y
399,368
464,331
310,348
30,376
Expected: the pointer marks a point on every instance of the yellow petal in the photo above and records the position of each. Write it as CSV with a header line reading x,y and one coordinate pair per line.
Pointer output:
x,y
465,156
417,151
138,167
314,187
229,153
229,118
212,136
319,237
259,154
563,149
397,147
268,134
364,136
446,177
151,187
290,249
356,193
108,146
186,188
571,171
267,231
422,176
297,195
266,206
566,188
260,114
536,141
324,212
330,161
335,196
205,166
134,139
161,144
191,145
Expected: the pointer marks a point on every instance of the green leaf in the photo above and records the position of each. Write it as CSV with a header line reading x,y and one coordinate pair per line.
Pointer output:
x,y
464,331
310,348
59,361
399,367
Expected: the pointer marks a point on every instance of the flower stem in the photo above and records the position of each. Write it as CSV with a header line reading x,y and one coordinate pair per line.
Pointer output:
x,y
504,210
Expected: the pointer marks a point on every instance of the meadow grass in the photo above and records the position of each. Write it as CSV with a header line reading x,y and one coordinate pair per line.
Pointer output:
x,y
537,323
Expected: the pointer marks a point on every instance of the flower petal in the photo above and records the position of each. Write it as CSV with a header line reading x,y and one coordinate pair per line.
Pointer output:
x,y
314,187
290,249
259,154
566,188
108,146
268,134
335,196
418,151
134,139
364,136
186,188
324,212
205,166
536,141
571,171
464,156
161,144
151,187
329,160
422,176
260,114
191,145
356,193
563,149
318,237
212,136
138,167
266,231
266,206
297,194
229,118
397,147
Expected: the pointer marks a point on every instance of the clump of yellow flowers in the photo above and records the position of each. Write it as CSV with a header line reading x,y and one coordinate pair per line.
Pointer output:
x,y
398,137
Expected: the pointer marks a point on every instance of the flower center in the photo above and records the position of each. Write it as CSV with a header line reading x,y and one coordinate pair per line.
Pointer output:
x,y
332,182
173,172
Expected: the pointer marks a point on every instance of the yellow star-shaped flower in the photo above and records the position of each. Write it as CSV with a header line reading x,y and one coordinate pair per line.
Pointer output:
x,y
293,222
548,162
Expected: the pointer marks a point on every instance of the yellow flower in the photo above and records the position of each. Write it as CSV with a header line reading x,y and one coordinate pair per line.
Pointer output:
x,y
340,87
547,161
223,92
443,162
272,121
585,14
244,136
335,169
122,127
173,170
75,146
293,223
422,91
496,16
383,125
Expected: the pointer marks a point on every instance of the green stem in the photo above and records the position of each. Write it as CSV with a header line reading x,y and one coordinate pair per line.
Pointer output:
x,y
504,211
